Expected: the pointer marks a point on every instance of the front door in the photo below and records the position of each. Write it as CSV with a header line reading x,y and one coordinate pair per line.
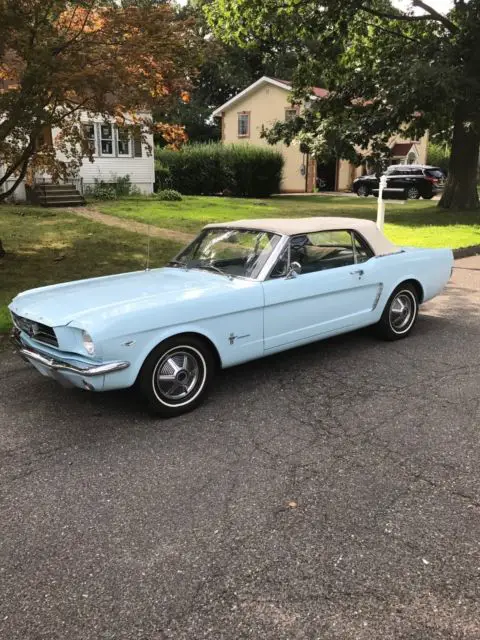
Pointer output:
x,y
336,289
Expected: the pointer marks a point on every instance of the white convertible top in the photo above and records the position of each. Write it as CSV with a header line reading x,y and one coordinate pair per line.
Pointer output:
x,y
296,226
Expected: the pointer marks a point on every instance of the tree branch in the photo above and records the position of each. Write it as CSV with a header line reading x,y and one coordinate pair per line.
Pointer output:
x,y
435,15
394,16
430,15
21,176
392,32
24,157
67,44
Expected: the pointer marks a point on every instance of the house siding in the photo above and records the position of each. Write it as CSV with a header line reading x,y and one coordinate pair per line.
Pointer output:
x,y
108,168
266,105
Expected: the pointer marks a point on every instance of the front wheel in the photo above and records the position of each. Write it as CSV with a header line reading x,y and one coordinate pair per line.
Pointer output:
x,y
176,376
400,313
413,193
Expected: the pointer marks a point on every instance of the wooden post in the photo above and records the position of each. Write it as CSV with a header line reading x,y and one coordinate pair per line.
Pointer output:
x,y
381,203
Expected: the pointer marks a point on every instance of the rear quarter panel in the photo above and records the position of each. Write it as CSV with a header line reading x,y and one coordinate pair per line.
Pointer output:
x,y
430,267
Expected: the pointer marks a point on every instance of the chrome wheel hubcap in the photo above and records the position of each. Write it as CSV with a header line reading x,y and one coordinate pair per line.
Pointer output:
x,y
412,193
402,310
177,374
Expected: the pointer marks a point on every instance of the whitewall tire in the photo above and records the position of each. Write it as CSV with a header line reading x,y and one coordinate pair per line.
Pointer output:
x,y
176,376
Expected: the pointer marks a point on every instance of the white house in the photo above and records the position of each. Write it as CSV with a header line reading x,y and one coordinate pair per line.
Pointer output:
x,y
117,153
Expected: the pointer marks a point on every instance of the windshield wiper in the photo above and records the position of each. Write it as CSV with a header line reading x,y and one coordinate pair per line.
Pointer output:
x,y
178,263
209,265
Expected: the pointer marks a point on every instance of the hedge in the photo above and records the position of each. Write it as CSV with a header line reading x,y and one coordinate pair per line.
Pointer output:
x,y
215,168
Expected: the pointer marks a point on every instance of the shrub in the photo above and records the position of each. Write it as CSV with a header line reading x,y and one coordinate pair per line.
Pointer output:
x,y
101,191
214,168
163,179
119,187
438,155
169,194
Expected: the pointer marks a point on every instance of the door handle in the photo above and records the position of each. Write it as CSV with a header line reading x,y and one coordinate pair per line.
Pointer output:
x,y
358,272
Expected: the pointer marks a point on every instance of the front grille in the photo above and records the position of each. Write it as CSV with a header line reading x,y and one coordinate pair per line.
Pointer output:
x,y
36,330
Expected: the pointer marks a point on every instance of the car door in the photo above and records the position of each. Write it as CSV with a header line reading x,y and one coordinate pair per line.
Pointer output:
x,y
336,290
398,179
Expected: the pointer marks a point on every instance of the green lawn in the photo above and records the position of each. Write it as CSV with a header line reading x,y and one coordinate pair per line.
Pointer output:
x,y
416,223
45,246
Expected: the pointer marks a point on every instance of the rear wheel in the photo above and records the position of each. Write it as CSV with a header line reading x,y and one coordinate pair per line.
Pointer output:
x,y
363,191
400,313
176,376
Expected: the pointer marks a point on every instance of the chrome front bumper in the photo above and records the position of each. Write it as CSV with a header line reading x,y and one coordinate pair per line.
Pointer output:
x,y
56,364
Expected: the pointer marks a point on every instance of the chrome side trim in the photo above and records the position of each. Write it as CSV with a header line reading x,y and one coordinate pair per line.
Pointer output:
x,y
59,365
377,297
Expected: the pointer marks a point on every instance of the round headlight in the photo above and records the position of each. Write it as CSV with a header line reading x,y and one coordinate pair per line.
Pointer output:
x,y
88,343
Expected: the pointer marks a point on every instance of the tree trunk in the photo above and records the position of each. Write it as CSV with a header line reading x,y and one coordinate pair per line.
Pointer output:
x,y
461,188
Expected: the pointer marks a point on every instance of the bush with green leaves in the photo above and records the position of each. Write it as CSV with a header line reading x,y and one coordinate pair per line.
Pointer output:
x,y
214,168
438,155
100,190
169,194
163,178
117,187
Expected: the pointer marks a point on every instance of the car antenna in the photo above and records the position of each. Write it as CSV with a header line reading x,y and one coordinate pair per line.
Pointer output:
x,y
147,265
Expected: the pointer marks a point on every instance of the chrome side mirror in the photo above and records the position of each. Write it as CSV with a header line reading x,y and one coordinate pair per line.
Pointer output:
x,y
293,271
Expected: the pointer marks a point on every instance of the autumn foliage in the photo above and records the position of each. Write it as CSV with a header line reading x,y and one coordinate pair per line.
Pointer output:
x,y
59,58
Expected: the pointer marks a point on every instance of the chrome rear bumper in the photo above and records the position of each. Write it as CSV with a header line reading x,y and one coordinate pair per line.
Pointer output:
x,y
56,364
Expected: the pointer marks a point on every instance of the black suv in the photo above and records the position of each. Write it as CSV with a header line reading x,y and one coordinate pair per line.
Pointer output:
x,y
418,180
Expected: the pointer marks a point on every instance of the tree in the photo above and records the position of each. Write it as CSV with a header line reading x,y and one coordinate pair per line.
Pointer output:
x,y
58,58
225,70
387,71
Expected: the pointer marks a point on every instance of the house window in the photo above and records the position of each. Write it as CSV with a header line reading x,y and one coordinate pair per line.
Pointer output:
x,y
106,139
290,114
89,131
244,124
123,136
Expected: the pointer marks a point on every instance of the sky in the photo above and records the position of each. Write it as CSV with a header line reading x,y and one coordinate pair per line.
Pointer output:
x,y
442,6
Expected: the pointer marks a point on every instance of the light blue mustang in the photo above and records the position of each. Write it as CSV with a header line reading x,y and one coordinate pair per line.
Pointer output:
x,y
239,291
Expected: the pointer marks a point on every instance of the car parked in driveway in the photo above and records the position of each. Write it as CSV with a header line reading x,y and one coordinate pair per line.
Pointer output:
x,y
240,291
418,181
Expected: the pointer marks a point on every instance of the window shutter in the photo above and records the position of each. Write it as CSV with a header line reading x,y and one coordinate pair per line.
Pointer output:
x,y
98,142
137,144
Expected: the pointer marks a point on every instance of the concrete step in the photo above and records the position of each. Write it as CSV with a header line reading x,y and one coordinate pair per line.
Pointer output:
x,y
62,203
52,188
54,196
58,195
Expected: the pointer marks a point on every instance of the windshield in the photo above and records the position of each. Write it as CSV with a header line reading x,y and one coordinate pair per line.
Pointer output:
x,y
232,252
434,173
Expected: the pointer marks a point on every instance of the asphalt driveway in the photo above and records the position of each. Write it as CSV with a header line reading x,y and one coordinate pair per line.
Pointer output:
x,y
331,492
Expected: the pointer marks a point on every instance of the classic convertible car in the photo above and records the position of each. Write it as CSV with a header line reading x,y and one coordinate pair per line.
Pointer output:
x,y
239,291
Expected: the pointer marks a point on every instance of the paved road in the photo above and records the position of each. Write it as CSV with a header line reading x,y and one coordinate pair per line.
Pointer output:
x,y
115,526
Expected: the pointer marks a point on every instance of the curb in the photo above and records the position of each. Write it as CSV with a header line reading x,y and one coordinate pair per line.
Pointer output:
x,y
466,252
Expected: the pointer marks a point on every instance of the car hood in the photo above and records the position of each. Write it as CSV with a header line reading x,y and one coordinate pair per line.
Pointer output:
x,y
109,296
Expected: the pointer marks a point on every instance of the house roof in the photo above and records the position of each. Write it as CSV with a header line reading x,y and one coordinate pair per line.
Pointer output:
x,y
295,226
318,92
401,149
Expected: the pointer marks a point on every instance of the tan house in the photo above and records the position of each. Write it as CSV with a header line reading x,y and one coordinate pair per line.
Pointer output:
x,y
267,101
